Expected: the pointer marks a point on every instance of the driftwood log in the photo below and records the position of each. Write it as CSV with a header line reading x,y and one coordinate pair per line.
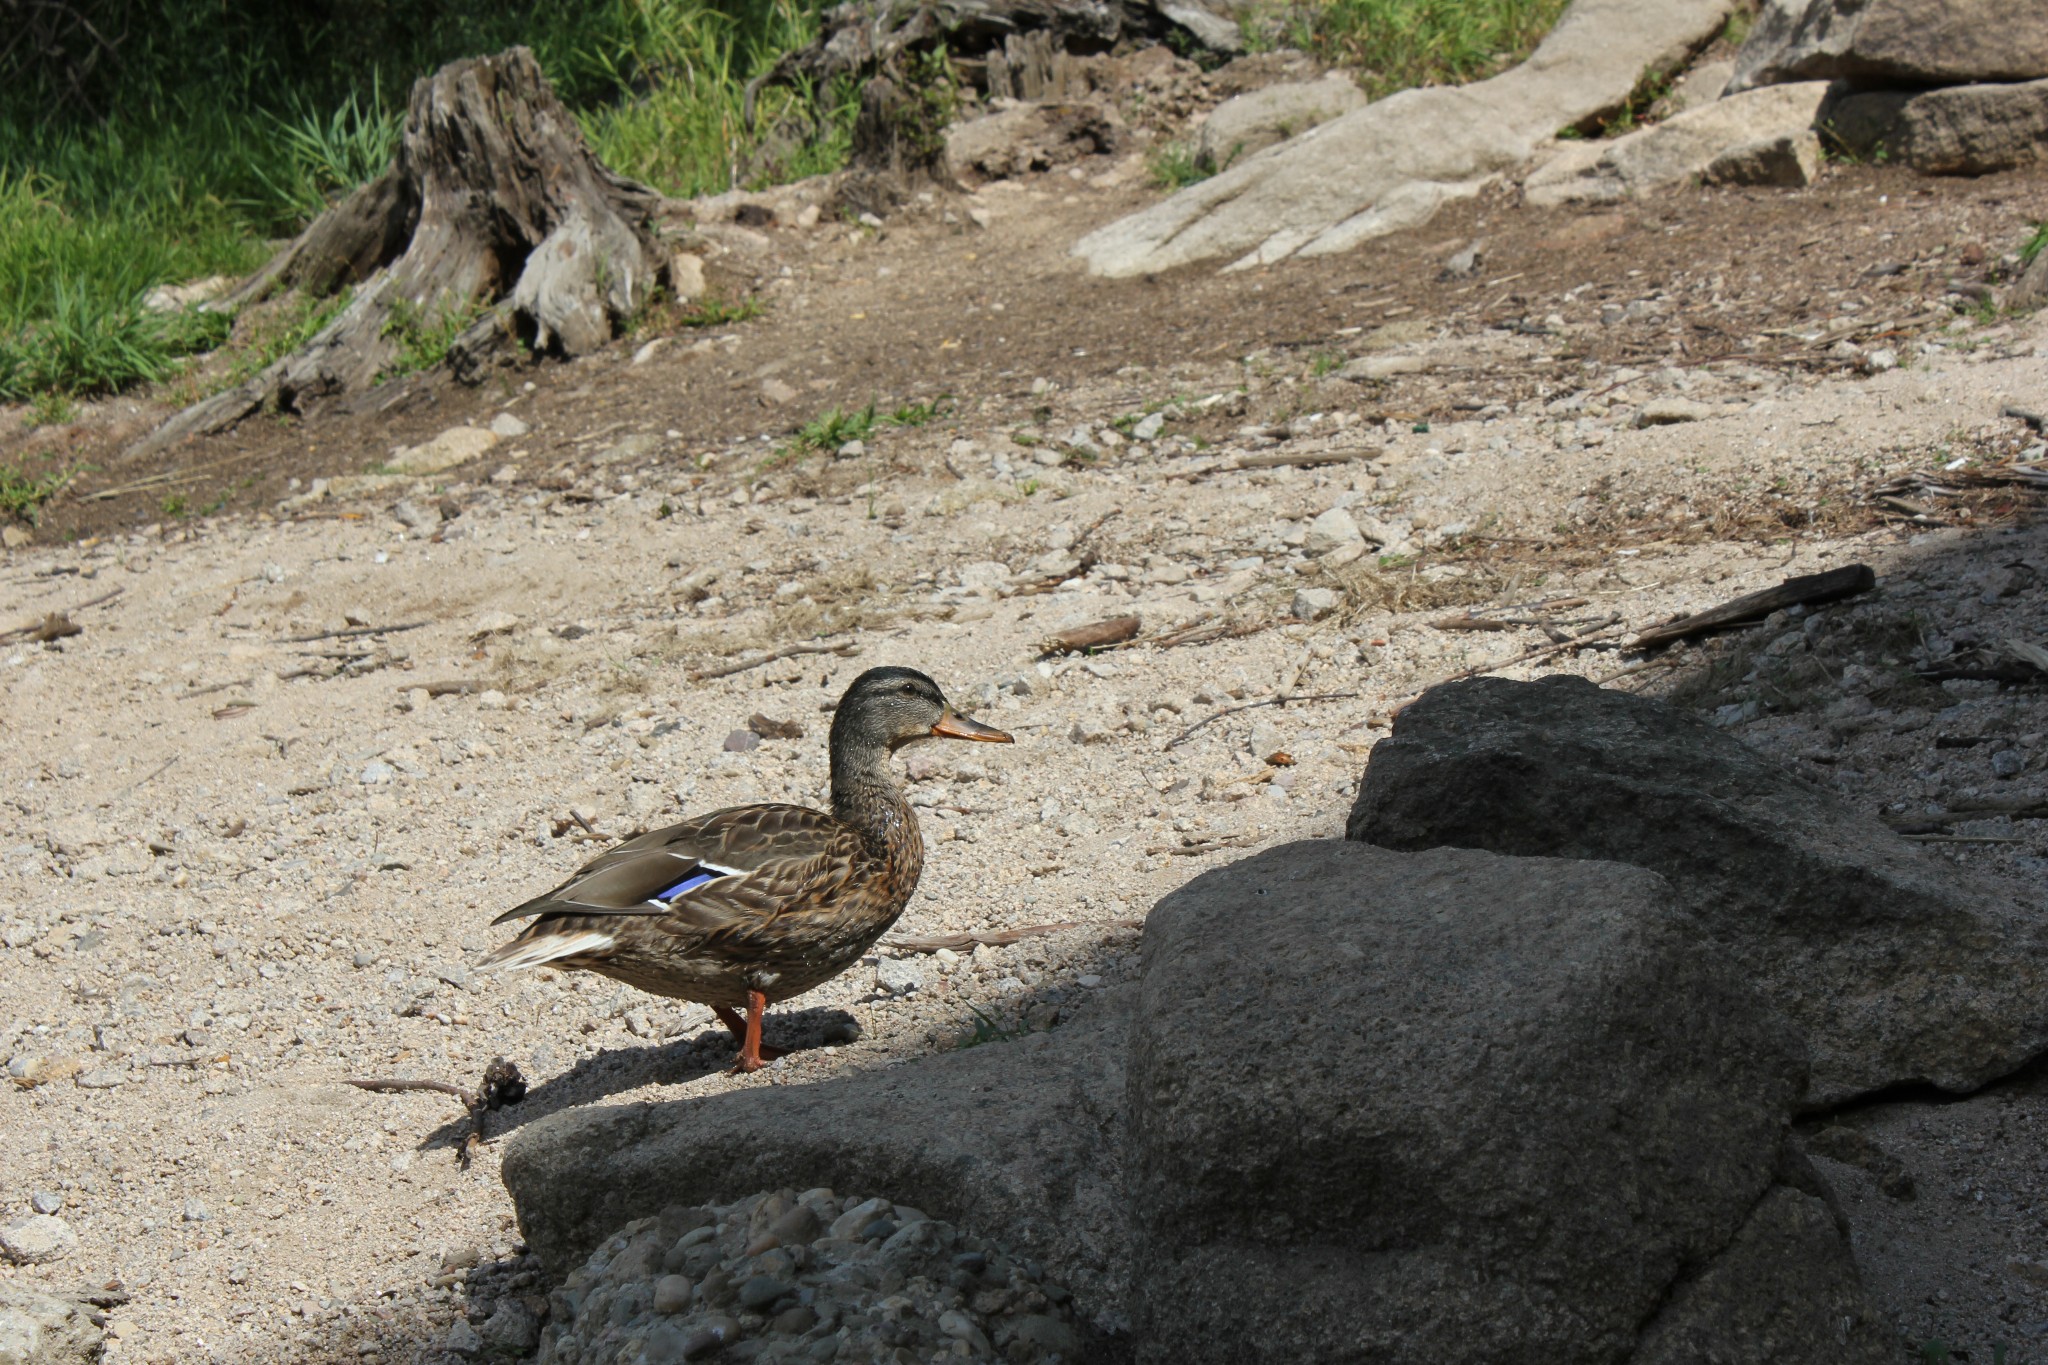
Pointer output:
x,y
494,208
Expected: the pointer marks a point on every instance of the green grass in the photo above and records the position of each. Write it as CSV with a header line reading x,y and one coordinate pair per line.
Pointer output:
x,y
1175,166
1399,44
22,494
424,334
213,130
710,312
919,414
2036,242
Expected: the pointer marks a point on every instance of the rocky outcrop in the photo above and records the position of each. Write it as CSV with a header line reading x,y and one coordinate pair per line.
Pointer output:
x,y
1761,137
1958,130
1895,965
1894,42
1017,1141
42,1329
1441,1106
1376,1105
1247,124
1032,137
1391,164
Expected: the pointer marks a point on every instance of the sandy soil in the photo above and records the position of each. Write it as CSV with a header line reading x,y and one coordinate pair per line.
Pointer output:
x,y
263,807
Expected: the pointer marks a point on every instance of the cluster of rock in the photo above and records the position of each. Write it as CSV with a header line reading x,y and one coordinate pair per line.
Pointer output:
x,y
806,1277
1952,87
1949,87
1508,1073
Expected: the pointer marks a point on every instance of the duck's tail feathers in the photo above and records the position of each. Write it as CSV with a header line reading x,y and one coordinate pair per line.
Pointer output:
x,y
538,950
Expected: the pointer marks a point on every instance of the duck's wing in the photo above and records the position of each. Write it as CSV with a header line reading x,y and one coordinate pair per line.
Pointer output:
x,y
718,882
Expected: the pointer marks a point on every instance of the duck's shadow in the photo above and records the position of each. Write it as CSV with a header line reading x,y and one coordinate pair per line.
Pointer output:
x,y
675,1061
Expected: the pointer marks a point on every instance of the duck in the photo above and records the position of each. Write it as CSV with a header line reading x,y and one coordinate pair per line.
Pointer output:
x,y
752,905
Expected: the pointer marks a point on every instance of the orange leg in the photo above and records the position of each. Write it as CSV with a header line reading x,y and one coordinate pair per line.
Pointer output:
x,y
746,1031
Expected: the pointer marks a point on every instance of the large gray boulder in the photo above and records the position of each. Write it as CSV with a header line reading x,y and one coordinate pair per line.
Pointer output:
x,y
1769,132
1391,164
1245,125
42,1329
1450,1106
1958,130
1014,1141
1894,42
1896,965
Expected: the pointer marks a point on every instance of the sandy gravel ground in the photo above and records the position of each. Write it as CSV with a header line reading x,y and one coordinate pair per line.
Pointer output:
x,y
260,811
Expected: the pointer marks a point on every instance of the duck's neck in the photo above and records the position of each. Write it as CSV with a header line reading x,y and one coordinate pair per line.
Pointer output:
x,y
865,797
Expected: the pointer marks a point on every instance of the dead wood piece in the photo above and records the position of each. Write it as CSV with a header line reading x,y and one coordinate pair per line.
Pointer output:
x,y
1807,590
843,648
56,625
994,938
1284,459
1099,635
1281,700
494,209
1208,632
352,633
447,687
768,728
502,1085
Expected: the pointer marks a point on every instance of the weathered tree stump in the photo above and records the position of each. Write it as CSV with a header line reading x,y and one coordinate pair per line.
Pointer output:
x,y
494,208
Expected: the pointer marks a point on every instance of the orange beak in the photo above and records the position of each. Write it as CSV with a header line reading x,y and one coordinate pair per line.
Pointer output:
x,y
954,726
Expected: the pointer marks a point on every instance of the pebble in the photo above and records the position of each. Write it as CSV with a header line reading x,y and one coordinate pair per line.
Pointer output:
x,y
1333,530
37,1240
512,1329
672,1294
1313,604
195,1212
899,975
46,1201
1149,426
101,1078
378,774
2008,763
414,517
462,1339
1664,412
851,1294
742,742
508,426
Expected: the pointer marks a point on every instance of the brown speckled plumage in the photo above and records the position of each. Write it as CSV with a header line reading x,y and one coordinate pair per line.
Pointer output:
x,y
755,904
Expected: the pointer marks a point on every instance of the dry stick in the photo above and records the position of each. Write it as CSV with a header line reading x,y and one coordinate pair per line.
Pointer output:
x,y
995,938
1280,700
1963,838
1526,656
1203,634
1081,639
352,632
1806,590
843,648
502,1085
220,687
1282,460
140,782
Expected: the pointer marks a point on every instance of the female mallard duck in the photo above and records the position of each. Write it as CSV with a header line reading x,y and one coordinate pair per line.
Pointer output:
x,y
754,904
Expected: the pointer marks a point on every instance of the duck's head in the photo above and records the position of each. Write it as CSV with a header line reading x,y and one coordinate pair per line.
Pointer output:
x,y
887,708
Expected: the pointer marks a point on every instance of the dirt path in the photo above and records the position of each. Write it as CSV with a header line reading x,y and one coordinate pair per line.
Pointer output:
x,y
253,842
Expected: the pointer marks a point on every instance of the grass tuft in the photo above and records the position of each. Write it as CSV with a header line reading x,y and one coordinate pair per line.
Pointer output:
x,y
1400,44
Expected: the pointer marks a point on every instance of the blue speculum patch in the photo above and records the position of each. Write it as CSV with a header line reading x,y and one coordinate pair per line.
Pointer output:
x,y
689,883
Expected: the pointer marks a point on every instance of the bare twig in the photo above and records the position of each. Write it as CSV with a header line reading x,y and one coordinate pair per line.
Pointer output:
x,y
1283,459
144,780
1591,633
1806,590
843,648
1280,700
502,1085
1203,633
995,938
219,687
352,632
